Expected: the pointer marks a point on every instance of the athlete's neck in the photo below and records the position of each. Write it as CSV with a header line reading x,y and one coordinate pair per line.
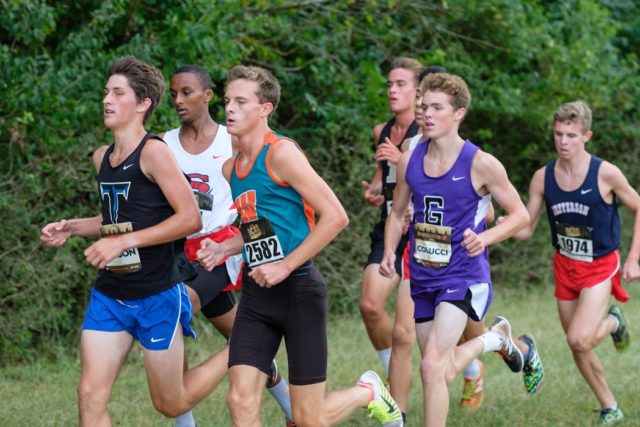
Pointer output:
x,y
575,165
404,119
250,143
125,141
446,146
198,135
130,136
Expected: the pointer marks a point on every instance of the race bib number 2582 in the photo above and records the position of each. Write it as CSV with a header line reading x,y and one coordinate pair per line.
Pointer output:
x,y
261,244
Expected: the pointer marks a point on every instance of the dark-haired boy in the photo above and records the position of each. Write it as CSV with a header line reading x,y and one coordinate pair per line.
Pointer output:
x,y
147,204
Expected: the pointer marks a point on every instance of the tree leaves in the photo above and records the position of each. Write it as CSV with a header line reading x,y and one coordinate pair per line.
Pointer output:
x,y
521,60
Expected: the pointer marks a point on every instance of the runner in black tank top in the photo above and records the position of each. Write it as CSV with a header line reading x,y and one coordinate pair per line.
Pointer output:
x,y
129,197
147,204
402,82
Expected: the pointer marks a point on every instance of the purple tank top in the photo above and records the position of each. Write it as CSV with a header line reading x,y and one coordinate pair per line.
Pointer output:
x,y
444,207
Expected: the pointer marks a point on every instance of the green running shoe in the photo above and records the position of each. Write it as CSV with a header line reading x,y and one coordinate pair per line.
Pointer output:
x,y
382,407
532,372
609,416
621,336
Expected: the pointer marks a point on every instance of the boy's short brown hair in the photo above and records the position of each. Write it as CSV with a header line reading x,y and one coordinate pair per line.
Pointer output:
x,y
408,64
145,80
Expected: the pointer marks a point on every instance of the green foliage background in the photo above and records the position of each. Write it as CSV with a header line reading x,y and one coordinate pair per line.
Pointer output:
x,y
520,58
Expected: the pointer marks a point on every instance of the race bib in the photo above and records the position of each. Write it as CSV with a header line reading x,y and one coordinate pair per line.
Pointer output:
x,y
575,241
387,192
129,260
261,244
432,245
391,176
205,201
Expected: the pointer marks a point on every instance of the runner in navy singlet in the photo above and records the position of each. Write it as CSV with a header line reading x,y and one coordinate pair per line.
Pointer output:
x,y
581,194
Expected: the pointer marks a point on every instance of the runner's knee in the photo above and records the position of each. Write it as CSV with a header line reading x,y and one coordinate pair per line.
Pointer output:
x,y
170,406
432,368
242,403
91,397
579,342
371,307
169,409
404,336
303,418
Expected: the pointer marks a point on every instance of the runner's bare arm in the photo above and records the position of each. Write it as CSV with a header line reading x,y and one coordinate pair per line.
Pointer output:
x,y
613,178
58,232
289,165
489,176
159,165
226,168
388,151
211,253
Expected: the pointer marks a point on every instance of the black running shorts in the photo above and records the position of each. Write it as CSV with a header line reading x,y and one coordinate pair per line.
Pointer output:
x,y
377,247
208,285
295,309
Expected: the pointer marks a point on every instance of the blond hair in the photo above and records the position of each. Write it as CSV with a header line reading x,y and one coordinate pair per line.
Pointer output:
x,y
268,86
452,85
574,112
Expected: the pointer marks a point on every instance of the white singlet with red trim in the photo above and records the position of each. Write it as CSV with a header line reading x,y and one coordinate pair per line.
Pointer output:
x,y
209,184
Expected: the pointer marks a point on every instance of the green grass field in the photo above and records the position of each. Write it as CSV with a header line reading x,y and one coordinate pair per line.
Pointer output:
x,y
43,393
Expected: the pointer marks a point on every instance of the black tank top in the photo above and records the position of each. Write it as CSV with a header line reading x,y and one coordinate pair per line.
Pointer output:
x,y
389,169
129,196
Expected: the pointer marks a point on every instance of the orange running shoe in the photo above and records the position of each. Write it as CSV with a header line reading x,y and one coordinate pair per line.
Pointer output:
x,y
473,391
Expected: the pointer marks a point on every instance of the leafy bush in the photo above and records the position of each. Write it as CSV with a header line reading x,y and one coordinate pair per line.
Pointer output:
x,y
521,59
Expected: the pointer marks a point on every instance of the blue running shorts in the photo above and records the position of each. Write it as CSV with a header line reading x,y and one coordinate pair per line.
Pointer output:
x,y
152,320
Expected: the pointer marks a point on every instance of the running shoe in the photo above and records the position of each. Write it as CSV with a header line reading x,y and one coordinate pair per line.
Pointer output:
x,y
382,407
509,352
532,371
273,377
609,416
473,393
621,336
